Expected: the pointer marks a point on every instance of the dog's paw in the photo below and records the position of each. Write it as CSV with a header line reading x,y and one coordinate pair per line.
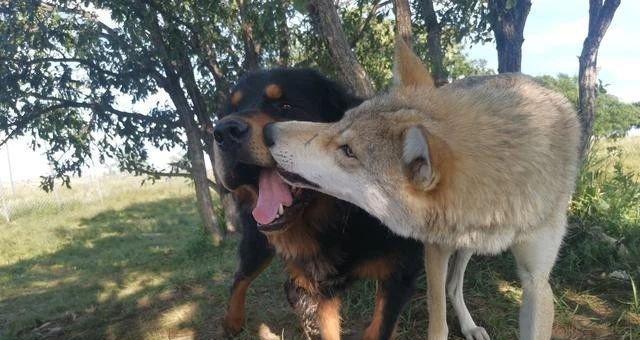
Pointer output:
x,y
476,333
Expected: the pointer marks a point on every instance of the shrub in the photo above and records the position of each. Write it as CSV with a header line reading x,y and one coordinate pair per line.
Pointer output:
x,y
605,213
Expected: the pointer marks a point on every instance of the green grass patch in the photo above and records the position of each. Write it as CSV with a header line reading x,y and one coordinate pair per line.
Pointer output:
x,y
124,261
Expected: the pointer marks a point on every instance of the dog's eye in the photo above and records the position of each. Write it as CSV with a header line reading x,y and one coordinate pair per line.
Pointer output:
x,y
285,106
346,149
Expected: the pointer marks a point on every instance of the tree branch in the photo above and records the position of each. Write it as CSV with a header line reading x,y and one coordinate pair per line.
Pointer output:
x,y
81,61
372,12
327,22
251,49
85,14
99,107
158,174
402,10
28,118
434,43
600,17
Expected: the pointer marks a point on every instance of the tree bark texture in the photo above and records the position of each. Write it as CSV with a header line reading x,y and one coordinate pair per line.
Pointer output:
x,y
600,16
196,156
251,48
507,22
402,11
434,43
326,20
199,173
284,52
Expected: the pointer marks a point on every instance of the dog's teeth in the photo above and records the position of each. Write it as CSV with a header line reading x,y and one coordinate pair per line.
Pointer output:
x,y
280,209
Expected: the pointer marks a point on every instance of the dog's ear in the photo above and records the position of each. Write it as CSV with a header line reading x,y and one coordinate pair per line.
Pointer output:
x,y
416,159
408,69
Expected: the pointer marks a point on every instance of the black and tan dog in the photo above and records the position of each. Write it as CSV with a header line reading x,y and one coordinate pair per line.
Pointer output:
x,y
326,243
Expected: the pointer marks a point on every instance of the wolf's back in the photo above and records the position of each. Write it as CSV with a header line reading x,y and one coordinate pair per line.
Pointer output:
x,y
515,145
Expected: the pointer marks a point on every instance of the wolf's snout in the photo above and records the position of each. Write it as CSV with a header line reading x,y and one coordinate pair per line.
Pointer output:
x,y
231,132
269,133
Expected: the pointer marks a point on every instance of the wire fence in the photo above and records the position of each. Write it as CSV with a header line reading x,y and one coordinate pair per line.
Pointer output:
x,y
27,197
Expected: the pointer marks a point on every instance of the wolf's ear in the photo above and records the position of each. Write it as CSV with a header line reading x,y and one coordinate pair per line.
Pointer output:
x,y
416,159
408,69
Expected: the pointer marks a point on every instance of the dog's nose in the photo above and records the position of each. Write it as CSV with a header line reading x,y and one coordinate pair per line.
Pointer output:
x,y
269,133
231,132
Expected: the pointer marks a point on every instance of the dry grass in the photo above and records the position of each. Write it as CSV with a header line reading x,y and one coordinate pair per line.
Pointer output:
x,y
630,149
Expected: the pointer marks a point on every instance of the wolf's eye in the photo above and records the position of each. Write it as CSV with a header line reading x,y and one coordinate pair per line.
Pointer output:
x,y
346,149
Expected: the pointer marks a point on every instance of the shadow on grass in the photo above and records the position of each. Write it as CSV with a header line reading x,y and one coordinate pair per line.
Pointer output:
x,y
146,271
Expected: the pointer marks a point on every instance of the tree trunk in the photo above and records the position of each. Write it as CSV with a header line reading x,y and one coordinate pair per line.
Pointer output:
x,y
434,43
507,24
196,156
403,20
600,16
251,49
326,20
205,127
171,84
199,173
283,34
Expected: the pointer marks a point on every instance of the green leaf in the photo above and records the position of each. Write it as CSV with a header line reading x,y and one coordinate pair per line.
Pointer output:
x,y
300,5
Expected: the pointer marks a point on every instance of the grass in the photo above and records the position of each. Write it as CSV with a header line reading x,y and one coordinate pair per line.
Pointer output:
x,y
631,150
113,260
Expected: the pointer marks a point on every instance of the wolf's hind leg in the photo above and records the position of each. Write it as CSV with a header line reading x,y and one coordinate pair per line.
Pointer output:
x,y
455,292
536,257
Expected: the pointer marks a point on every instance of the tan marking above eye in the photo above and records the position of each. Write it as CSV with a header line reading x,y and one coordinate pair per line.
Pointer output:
x,y
236,97
273,91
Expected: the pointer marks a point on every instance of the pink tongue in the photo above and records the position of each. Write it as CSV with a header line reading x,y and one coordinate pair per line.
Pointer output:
x,y
271,192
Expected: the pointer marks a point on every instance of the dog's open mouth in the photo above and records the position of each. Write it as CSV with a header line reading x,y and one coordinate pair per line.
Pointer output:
x,y
277,202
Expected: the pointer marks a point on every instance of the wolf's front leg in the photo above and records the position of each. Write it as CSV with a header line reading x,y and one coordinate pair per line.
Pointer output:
x,y
436,265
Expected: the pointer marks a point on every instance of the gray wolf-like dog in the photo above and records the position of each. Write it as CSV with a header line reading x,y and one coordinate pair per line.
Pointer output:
x,y
478,166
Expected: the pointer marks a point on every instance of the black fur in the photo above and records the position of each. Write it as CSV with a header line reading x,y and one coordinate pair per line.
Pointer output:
x,y
316,98
348,239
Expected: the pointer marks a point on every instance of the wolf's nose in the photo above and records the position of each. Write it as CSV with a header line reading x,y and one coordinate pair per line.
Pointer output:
x,y
269,134
230,132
